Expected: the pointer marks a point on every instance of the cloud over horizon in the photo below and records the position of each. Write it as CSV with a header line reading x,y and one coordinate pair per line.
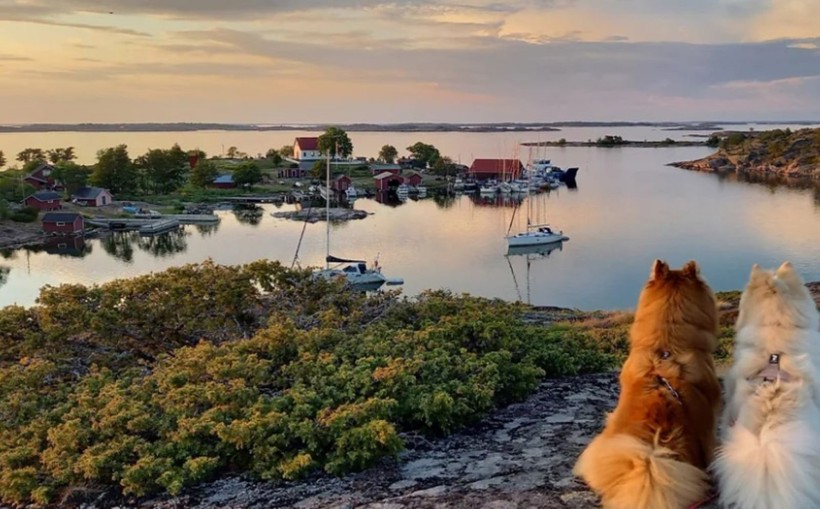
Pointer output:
x,y
408,60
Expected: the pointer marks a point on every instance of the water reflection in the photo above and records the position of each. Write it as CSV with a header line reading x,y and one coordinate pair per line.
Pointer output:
x,y
389,198
164,244
4,274
207,229
121,245
528,254
444,199
497,200
248,213
75,247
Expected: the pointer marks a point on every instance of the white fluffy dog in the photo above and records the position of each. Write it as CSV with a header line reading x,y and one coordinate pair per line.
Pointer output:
x,y
770,457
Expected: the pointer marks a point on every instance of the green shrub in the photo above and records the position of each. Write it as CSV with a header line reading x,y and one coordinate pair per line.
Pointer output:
x,y
163,381
25,215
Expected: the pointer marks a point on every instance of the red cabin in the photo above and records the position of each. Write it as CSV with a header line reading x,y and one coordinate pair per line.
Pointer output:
x,y
63,223
44,200
341,183
378,169
41,177
499,169
384,181
413,178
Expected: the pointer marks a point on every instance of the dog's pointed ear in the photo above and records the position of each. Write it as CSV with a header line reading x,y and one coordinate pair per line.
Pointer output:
x,y
786,267
757,273
691,269
659,269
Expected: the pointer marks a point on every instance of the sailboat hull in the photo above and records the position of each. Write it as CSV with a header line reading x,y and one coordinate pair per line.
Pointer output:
x,y
535,239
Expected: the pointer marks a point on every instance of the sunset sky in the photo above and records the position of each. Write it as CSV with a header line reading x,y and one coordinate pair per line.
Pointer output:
x,y
302,61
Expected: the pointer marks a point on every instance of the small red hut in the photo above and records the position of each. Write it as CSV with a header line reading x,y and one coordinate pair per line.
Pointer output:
x,y
63,223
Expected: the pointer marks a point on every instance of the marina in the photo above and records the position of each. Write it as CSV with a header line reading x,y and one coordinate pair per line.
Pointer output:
x,y
456,240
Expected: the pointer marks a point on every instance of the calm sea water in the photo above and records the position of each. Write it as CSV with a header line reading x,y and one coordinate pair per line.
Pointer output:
x,y
629,208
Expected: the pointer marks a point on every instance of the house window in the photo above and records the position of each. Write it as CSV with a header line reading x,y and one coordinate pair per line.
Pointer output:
x,y
60,224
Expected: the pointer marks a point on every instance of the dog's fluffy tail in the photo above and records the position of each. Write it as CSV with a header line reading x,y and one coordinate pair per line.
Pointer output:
x,y
631,474
777,468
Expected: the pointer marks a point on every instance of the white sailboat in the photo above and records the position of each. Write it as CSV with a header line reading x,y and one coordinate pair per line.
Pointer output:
x,y
358,275
535,235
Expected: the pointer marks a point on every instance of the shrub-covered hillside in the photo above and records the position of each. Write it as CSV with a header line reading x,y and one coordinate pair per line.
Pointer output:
x,y
162,381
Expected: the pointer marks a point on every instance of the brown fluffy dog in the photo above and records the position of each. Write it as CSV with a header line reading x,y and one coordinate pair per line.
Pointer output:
x,y
658,442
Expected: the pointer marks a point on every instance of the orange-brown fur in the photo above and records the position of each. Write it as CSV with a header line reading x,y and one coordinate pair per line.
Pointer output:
x,y
676,313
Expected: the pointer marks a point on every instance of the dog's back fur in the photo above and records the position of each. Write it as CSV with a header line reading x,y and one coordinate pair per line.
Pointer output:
x,y
657,443
770,456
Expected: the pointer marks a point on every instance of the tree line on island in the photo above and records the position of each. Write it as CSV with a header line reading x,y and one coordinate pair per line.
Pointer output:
x,y
160,172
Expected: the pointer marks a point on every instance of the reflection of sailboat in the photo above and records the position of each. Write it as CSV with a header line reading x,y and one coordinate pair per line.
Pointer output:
x,y
358,275
531,253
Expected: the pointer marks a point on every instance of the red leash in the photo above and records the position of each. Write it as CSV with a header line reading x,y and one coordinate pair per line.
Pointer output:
x,y
703,502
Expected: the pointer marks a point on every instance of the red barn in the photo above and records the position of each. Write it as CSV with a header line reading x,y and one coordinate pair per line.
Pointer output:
x,y
44,200
381,168
63,223
41,177
386,180
413,178
499,169
341,183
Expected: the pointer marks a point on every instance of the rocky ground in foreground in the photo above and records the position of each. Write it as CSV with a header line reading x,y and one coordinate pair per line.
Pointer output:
x,y
521,456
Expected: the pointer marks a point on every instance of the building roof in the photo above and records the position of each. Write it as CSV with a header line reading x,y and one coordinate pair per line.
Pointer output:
x,y
383,167
496,165
38,173
87,193
382,176
60,217
224,179
308,143
45,196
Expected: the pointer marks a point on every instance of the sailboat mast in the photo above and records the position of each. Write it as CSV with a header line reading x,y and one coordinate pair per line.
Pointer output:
x,y
327,212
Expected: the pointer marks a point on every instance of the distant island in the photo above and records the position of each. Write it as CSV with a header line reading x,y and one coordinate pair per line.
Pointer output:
x,y
617,141
370,127
779,152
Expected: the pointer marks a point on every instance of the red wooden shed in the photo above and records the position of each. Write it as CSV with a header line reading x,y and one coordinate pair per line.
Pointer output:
x,y
63,223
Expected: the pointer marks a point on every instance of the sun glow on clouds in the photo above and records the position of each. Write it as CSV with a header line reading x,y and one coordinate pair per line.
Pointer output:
x,y
371,60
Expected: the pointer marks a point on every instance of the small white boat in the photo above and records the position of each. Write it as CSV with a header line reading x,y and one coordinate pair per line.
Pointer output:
x,y
422,191
541,235
458,185
488,189
403,189
357,274
351,193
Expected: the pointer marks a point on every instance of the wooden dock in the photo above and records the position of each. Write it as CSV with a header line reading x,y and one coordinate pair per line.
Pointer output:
x,y
145,224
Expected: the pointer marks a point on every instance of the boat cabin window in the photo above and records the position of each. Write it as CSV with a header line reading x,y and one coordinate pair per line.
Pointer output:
x,y
362,268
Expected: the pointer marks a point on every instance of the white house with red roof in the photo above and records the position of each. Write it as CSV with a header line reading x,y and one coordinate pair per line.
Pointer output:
x,y
306,149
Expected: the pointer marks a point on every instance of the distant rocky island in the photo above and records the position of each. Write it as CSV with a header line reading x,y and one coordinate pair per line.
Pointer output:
x,y
363,127
779,152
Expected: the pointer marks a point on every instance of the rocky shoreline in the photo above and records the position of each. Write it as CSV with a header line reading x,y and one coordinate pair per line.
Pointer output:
x,y
784,154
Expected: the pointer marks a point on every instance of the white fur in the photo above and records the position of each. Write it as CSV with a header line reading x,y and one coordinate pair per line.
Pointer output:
x,y
770,457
